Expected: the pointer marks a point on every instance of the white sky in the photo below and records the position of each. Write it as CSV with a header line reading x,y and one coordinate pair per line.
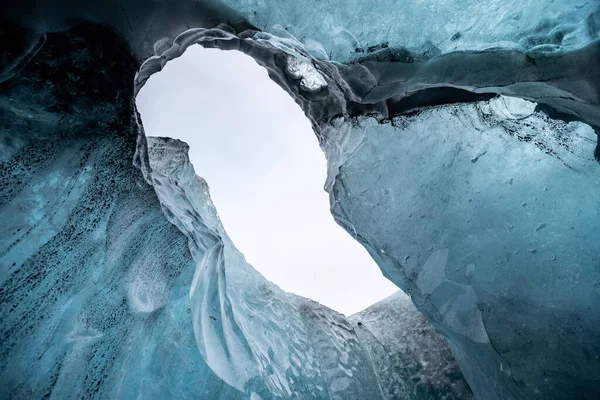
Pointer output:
x,y
261,159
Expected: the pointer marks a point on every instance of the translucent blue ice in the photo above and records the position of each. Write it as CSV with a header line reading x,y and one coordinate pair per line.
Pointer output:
x,y
487,215
118,281
257,338
348,30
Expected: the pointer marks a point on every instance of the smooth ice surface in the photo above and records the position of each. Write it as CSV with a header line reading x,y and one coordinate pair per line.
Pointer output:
x,y
259,155
487,214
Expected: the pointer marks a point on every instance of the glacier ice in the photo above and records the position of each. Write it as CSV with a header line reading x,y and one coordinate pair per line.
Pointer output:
x,y
462,152
350,30
94,279
136,304
479,242
403,344
307,349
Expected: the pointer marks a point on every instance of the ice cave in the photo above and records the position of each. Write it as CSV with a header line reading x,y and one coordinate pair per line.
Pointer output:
x,y
462,152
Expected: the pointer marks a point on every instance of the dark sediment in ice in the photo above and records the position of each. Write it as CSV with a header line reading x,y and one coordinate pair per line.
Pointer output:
x,y
480,205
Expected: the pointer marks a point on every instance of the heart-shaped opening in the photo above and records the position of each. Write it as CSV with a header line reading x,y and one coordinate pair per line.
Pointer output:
x,y
261,159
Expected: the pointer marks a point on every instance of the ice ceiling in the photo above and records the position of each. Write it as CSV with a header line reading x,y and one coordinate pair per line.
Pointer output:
x,y
461,140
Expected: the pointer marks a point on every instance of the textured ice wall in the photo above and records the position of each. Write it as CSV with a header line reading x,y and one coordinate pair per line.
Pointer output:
x,y
383,88
340,31
348,30
258,338
521,323
405,348
94,280
118,280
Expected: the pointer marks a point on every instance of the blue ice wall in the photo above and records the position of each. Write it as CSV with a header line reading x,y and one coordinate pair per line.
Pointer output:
x,y
487,215
266,342
410,358
344,31
118,280
94,279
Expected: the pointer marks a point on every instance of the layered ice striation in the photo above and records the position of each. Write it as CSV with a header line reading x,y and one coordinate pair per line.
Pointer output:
x,y
462,151
94,280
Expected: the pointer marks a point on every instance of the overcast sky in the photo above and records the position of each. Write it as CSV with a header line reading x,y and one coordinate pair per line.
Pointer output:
x,y
257,151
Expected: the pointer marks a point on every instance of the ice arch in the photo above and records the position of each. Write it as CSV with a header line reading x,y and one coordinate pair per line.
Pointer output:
x,y
375,95
71,138
259,155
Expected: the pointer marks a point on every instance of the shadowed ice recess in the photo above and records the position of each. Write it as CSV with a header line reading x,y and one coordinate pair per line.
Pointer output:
x,y
461,152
